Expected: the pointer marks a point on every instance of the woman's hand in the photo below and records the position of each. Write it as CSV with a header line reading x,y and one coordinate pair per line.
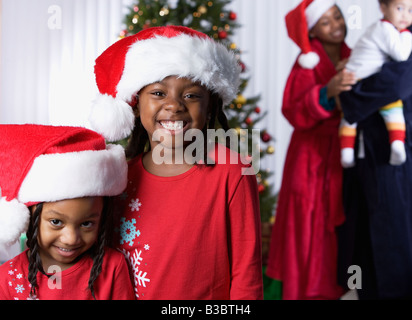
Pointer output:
x,y
342,81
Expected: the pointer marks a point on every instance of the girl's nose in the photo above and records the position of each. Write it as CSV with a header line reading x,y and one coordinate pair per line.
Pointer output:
x,y
70,236
174,104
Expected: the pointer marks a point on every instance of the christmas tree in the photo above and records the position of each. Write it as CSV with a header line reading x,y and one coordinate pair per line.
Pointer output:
x,y
213,19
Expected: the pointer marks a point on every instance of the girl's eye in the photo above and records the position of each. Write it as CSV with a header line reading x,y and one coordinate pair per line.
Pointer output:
x,y
158,93
87,224
192,96
56,223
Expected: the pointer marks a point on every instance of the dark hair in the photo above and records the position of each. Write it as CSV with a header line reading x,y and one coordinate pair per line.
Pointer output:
x,y
96,252
139,139
385,2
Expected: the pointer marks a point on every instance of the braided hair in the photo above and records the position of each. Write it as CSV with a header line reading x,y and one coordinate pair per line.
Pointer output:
x,y
96,252
35,264
139,139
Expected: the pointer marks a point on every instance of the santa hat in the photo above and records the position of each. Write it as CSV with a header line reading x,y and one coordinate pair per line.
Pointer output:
x,y
298,23
150,56
46,164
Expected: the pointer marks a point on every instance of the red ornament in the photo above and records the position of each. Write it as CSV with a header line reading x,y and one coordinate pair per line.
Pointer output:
x,y
266,137
261,188
222,34
232,16
248,121
242,66
257,110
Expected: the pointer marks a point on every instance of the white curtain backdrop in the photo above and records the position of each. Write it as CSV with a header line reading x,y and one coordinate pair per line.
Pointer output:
x,y
48,48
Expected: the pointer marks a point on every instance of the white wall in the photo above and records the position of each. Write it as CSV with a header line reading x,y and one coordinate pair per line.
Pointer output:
x,y
47,63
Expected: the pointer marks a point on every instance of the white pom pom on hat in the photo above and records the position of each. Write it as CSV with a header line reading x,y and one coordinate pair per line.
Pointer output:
x,y
47,164
298,23
14,220
151,55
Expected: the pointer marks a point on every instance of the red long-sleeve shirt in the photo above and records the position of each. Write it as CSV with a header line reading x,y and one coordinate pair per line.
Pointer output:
x,y
195,236
113,283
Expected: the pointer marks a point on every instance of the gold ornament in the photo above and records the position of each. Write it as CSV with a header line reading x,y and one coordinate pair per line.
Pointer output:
x,y
202,10
240,100
270,150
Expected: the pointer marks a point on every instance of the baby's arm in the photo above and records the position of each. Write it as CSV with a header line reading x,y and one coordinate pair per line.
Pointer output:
x,y
398,45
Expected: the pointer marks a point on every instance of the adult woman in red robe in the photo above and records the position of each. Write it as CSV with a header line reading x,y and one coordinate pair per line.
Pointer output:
x,y
303,250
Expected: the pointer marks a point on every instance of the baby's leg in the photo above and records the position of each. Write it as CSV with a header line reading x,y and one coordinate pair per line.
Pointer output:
x,y
395,123
347,135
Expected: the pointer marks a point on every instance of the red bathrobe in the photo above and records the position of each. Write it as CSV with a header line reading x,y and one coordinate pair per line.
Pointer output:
x,y
303,250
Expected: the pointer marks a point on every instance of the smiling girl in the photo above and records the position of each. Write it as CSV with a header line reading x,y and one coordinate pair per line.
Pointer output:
x,y
60,183
191,231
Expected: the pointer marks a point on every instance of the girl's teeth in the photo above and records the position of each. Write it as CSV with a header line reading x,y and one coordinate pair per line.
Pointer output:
x,y
172,125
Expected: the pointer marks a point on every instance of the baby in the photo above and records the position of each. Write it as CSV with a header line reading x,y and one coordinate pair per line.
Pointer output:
x,y
386,39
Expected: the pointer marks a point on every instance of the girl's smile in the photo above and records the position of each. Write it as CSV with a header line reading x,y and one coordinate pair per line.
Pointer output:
x,y
174,126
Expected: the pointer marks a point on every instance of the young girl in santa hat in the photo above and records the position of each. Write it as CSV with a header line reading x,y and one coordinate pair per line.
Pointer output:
x,y
191,229
56,181
303,250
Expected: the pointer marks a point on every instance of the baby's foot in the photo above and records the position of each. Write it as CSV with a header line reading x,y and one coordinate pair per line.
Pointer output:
x,y
348,157
398,153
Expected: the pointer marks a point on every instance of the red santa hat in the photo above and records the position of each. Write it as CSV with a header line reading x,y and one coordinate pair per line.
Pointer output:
x,y
46,164
300,21
150,56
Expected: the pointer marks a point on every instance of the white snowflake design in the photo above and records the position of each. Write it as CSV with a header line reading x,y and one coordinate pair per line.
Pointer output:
x,y
135,205
146,247
19,288
140,278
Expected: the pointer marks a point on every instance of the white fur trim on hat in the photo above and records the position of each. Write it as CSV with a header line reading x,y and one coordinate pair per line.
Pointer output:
x,y
309,60
202,60
14,220
316,9
55,177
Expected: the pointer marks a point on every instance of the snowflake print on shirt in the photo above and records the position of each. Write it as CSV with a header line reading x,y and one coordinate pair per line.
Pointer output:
x,y
19,288
139,276
135,205
133,249
17,283
128,231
